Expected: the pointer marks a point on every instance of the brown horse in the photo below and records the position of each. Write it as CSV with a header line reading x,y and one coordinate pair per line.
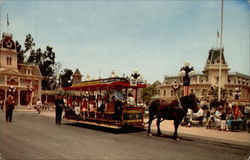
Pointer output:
x,y
162,109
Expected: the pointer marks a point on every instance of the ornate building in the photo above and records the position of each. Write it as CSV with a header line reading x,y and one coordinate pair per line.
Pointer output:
x,y
201,83
21,80
77,76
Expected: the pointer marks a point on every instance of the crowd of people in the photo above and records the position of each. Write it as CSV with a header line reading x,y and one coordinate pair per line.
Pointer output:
x,y
233,118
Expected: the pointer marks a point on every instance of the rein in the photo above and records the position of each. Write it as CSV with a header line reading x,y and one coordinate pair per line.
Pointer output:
x,y
178,99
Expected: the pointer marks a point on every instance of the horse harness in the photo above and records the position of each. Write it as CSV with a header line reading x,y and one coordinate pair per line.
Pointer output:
x,y
179,102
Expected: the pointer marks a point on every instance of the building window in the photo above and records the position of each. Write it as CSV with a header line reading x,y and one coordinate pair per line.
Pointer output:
x,y
192,91
217,79
164,93
2,80
9,60
203,92
29,71
172,92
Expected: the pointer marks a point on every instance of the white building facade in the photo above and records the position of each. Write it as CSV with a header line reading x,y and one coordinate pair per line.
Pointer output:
x,y
23,79
201,83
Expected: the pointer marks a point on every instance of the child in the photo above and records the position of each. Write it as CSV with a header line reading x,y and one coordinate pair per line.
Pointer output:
x,y
223,121
210,118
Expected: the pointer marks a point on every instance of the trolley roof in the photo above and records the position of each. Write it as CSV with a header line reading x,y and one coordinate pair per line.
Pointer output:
x,y
104,84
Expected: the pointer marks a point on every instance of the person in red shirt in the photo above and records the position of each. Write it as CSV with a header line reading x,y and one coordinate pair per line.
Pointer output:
x,y
84,105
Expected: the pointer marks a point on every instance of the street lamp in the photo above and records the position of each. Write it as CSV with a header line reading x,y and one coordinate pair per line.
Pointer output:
x,y
237,93
237,96
113,74
135,74
134,79
186,72
12,90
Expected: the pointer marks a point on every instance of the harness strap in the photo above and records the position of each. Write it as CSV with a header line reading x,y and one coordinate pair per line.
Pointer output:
x,y
179,102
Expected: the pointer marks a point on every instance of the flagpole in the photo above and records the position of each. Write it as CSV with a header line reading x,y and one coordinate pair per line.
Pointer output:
x,y
8,23
0,16
218,36
221,33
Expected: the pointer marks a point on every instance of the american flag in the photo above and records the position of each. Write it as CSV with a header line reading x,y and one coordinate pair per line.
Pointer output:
x,y
8,23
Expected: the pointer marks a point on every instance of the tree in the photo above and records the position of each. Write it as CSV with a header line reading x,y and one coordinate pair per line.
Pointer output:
x,y
66,77
46,67
46,62
148,92
213,92
35,57
28,44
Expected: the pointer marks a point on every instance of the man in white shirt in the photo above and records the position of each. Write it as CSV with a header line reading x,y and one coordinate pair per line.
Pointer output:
x,y
130,100
199,116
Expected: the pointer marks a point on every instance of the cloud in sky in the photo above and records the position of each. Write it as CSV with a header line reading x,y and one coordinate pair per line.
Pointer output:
x,y
154,36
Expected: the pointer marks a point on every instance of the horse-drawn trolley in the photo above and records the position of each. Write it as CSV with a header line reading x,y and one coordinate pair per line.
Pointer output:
x,y
110,102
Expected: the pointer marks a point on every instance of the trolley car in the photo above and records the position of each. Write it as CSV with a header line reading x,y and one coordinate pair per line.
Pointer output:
x,y
110,116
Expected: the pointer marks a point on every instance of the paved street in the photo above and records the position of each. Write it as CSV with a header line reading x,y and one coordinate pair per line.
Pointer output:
x,y
33,136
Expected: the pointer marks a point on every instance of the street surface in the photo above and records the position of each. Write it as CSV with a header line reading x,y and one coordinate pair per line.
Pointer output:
x,y
34,136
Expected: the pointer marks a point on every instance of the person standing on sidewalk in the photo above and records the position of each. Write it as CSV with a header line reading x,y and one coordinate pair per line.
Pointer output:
x,y
59,108
9,107
38,106
223,121
1,103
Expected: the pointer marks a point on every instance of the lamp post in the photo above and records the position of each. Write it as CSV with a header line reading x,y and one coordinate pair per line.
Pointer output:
x,y
237,93
135,74
186,72
12,90
237,97
135,78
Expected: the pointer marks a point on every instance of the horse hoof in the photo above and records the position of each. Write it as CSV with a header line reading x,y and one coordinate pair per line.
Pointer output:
x,y
149,134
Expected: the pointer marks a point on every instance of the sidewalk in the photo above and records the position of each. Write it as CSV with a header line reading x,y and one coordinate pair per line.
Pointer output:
x,y
241,137
167,127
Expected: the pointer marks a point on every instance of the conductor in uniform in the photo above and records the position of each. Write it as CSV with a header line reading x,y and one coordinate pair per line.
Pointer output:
x,y
59,108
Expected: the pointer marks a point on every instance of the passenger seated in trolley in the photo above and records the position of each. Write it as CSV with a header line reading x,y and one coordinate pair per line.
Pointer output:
x,y
118,103
92,107
69,102
130,100
84,106
101,105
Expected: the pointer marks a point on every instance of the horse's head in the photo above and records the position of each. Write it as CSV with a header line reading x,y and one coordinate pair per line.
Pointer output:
x,y
193,102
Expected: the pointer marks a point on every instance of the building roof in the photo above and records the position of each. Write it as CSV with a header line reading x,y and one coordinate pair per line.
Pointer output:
x,y
239,75
214,56
77,72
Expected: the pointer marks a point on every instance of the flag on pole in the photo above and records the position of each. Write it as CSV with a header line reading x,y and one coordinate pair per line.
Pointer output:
x,y
218,34
8,23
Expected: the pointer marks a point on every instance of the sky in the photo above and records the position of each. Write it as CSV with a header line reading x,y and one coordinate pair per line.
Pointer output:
x,y
154,36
